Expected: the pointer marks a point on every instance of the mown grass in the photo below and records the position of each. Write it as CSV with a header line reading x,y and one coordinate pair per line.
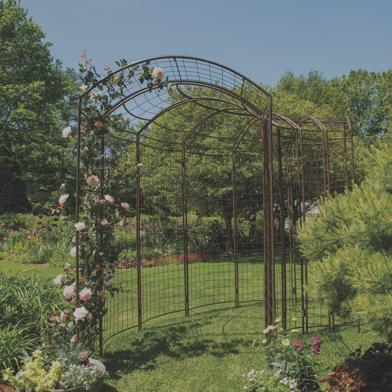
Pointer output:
x,y
209,350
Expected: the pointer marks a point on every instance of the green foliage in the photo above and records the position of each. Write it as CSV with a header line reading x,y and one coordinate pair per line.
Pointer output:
x,y
293,362
349,246
35,239
362,95
32,90
25,307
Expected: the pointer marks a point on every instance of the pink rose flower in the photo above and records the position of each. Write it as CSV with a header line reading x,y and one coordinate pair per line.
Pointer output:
x,y
124,205
106,68
85,294
92,181
297,344
83,357
104,222
98,124
158,73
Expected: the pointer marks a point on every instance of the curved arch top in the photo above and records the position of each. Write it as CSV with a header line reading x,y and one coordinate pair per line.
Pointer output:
x,y
142,99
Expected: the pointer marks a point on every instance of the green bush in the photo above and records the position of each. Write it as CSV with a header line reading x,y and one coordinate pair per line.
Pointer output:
x,y
27,238
25,307
349,246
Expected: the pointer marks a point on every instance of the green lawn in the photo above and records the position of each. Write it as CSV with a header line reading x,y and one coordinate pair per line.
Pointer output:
x,y
39,270
208,351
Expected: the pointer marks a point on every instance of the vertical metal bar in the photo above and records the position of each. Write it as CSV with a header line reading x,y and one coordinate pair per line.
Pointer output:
x,y
290,213
268,223
235,230
304,265
325,160
282,234
346,180
185,227
77,206
351,137
138,239
101,261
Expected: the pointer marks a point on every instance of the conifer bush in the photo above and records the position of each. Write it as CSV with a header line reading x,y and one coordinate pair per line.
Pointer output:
x,y
349,245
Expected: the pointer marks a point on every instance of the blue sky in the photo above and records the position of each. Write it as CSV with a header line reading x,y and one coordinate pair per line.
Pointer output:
x,y
262,39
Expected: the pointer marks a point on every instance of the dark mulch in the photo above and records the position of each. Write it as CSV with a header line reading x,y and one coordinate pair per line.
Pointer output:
x,y
367,372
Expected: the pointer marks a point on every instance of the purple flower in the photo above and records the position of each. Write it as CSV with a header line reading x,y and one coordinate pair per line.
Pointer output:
x,y
297,344
315,344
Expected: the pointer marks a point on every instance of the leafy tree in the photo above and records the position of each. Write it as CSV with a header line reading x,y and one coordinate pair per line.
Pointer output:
x,y
32,90
349,246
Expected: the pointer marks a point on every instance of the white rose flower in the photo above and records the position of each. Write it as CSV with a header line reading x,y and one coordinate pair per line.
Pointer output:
x,y
72,252
69,292
124,205
109,199
83,88
63,198
58,281
79,226
158,73
66,132
116,79
80,313
96,95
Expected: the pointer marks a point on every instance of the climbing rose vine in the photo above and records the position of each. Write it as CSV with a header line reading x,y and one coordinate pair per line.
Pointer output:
x,y
100,212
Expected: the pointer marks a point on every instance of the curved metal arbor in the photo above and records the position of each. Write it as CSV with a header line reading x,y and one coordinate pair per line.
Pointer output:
x,y
204,112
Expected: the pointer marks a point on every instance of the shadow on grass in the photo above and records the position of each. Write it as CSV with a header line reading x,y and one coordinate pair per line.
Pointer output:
x,y
177,341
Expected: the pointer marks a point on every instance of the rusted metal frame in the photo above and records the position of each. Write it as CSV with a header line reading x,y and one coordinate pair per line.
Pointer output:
x,y
235,228
101,261
175,58
184,192
246,112
77,204
290,215
248,106
351,138
282,233
304,264
240,136
138,237
324,134
178,104
346,178
269,280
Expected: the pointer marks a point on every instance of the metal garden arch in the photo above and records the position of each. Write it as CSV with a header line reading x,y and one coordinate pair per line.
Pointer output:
x,y
283,153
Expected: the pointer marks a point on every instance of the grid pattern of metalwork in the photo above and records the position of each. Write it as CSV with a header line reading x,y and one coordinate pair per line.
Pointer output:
x,y
217,185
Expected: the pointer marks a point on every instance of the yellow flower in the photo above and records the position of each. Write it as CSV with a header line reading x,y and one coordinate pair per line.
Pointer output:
x,y
286,342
